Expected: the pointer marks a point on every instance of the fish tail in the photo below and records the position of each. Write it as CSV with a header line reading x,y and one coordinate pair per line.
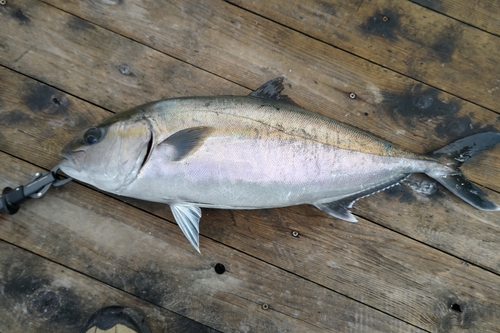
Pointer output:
x,y
453,156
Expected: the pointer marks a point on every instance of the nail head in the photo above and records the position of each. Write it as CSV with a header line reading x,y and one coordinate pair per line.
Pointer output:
x,y
124,69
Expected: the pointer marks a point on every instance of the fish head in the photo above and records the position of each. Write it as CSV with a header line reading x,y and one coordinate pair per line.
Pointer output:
x,y
109,155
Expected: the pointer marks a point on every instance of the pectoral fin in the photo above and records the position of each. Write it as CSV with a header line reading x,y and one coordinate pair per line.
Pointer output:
x,y
180,144
188,218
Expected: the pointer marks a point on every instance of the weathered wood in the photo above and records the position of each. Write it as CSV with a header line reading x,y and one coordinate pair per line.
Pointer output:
x,y
484,14
146,256
402,36
97,65
41,129
416,41
399,109
364,261
40,296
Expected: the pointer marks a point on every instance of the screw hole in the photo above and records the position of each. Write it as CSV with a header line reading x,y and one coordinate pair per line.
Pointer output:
x,y
385,18
456,307
124,69
295,233
219,268
265,306
56,101
352,95
3,2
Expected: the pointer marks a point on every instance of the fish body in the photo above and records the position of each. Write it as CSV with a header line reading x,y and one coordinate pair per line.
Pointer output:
x,y
250,152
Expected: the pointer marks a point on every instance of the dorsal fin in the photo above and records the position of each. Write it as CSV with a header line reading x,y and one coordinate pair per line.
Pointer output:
x,y
271,90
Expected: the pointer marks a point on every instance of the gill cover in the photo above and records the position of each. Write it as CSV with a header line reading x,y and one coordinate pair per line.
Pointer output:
x,y
109,155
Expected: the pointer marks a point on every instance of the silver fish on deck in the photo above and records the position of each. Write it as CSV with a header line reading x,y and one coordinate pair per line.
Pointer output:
x,y
250,152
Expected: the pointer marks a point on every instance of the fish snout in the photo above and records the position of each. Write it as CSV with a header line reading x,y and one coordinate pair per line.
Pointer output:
x,y
72,159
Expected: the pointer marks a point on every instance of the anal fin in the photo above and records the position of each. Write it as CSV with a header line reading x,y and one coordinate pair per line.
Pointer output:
x,y
340,208
337,209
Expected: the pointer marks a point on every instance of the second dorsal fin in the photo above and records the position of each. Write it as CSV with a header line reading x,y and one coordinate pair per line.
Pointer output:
x,y
271,90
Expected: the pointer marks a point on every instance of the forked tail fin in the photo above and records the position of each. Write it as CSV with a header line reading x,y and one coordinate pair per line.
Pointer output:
x,y
456,153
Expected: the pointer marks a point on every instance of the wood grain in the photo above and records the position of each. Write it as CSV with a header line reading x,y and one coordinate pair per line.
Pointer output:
x,y
399,109
484,14
353,259
97,65
37,295
405,37
148,257
424,260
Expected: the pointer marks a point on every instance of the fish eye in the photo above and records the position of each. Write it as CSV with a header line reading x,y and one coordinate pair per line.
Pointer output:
x,y
91,136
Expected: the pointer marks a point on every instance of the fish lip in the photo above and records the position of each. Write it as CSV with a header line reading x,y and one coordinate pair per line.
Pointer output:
x,y
69,157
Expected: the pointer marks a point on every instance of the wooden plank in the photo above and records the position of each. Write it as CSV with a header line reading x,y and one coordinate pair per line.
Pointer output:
x,y
415,41
95,64
486,172
148,257
402,36
364,261
37,295
484,14
399,109
274,250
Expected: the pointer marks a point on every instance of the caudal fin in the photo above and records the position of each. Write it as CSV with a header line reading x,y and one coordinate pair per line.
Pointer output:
x,y
457,153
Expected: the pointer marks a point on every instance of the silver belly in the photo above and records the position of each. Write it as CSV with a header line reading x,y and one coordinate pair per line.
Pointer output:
x,y
247,174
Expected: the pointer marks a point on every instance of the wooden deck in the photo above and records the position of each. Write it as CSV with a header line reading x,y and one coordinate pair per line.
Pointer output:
x,y
425,72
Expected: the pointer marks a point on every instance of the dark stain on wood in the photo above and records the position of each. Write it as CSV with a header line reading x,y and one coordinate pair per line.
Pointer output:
x,y
148,282
433,4
400,193
327,8
418,104
384,24
24,283
421,184
45,99
19,15
457,313
77,24
186,325
446,43
2,142
15,117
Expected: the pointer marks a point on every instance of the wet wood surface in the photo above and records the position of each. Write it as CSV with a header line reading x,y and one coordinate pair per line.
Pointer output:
x,y
419,260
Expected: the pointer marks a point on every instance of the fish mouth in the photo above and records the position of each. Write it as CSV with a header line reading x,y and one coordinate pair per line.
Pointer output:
x,y
70,159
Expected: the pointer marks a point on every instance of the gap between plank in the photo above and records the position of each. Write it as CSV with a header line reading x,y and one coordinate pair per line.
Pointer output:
x,y
282,25
357,56
102,282
454,18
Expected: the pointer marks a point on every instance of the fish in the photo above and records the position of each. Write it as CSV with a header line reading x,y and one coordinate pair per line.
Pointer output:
x,y
253,152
